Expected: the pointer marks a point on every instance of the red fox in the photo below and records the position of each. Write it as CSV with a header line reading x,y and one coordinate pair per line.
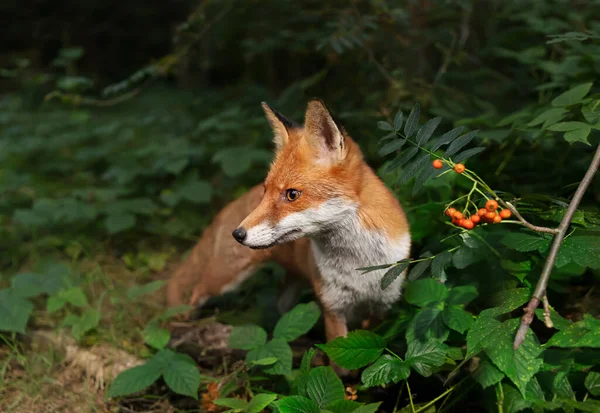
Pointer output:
x,y
321,214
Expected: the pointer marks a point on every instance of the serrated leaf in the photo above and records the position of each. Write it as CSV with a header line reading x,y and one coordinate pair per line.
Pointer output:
x,y
463,156
460,143
424,176
425,291
324,386
487,374
260,402
386,369
428,324
134,380
410,127
182,378
519,365
401,160
457,318
426,131
155,336
507,300
14,311
368,408
247,337
424,357
525,242
420,267
447,137
136,291
592,383
343,406
411,170
439,264
297,404
275,348
398,120
356,350
118,222
367,270
392,146
583,250
462,295
393,273
479,331
513,400
572,96
384,125
576,335
297,322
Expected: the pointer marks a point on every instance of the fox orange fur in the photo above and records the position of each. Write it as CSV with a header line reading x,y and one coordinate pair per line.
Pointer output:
x,y
321,213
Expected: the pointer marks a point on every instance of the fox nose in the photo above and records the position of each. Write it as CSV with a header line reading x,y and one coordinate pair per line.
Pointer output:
x,y
239,234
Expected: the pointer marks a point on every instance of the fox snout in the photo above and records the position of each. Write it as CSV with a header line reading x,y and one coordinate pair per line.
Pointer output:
x,y
239,234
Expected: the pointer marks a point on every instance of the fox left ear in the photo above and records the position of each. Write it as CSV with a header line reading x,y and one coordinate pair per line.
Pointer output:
x,y
280,125
324,132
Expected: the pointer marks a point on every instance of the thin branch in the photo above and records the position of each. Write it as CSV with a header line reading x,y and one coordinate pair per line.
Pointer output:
x,y
547,319
540,289
523,221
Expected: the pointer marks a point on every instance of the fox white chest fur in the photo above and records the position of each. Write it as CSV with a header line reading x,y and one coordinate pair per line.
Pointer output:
x,y
347,246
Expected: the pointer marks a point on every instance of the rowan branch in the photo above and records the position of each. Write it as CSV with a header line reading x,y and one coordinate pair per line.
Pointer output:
x,y
526,223
540,288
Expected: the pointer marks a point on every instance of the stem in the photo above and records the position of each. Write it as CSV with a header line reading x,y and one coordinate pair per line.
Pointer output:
x,y
500,396
547,319
540,289
412,405
523,221
451,389
393,354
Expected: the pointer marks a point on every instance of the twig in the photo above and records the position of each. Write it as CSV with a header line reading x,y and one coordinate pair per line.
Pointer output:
x,y
523,221
547,319
540,289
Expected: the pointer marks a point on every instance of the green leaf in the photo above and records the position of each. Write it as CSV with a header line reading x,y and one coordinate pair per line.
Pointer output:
x,y
487,374
55,303
405,156
30,284
118,222
275,348
368,408
260,402
356,350
524,242
386,369
196,191
297,322
469,153
247,337
576,335
592,383
479,331
390,276
155,336
182,377
410,127
549,117
447,137
398,120
507,300
134,380
384,125
420,267
14,311
439,264
236,404
74,296
366,270
343,406
460,143
425,291
392,146
591,112
427,130
297,404
583,250
575,131
424,357
572,96
412,169
324,386
462,295
457,318
519,365
428,324
89,320
136,291
267,361
513,400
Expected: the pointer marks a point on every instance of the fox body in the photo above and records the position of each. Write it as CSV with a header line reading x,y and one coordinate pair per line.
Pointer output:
x,y
321,213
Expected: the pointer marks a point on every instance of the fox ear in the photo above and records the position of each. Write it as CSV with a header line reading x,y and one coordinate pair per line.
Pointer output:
x,y
280,125
323,132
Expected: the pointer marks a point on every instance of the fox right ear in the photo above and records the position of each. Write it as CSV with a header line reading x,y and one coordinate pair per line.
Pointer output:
x,y
280,125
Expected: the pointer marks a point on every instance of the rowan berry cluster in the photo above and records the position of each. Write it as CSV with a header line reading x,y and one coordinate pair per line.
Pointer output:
x,y
487,215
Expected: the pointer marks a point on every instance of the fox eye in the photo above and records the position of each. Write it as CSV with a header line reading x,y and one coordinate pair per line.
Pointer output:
x,y
292,194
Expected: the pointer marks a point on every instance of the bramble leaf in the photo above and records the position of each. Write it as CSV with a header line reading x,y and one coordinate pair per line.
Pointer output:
x,y
358,349
386,369
425,291
424,357
324,386
297,321
572,96
247,337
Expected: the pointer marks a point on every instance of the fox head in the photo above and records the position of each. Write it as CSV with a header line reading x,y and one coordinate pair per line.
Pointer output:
x,y
313,182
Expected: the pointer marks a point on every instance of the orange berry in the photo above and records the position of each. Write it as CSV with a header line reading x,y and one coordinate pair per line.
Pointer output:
x,y
459,222
489,216
437,164
457,215
491,205
450,212
459,168
505,214
497,219
475,219
481,212
468,224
